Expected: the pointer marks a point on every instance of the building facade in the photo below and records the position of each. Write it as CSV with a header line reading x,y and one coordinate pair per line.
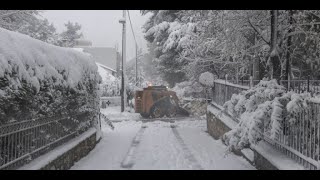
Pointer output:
x,y
106,57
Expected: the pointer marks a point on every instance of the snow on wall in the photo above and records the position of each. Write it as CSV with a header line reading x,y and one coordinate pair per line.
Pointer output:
x,y
45,159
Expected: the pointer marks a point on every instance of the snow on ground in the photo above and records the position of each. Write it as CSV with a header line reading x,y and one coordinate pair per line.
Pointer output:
x,y
159,145
159,149
113,147
208,151
114,114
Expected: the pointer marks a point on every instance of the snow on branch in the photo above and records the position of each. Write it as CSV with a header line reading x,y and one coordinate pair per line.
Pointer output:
x,y
262,109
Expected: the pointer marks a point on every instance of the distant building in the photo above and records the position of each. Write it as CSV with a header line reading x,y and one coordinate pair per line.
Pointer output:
x,y
106,57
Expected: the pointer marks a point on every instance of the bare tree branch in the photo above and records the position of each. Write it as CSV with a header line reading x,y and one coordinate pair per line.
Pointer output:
x,y
258,32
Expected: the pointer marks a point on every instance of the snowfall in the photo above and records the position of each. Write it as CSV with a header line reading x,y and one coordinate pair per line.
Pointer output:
x,y
175,144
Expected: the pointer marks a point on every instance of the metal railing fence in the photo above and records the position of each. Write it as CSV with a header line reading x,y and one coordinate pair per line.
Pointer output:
x,y
300,135
20,142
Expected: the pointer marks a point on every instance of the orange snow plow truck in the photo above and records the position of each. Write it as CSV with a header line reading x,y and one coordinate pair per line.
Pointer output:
x,y
157,102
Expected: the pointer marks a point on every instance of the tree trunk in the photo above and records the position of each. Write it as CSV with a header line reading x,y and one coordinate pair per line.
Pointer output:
x,y
275,65
256,63
289,43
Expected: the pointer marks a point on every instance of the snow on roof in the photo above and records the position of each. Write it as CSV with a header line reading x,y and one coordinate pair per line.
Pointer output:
x,y
105,75
105,67
105,56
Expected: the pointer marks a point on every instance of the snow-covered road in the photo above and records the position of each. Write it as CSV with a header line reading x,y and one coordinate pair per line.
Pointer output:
x,y
183,144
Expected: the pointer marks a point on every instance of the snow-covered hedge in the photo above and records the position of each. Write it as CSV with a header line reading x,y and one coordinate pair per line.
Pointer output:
x,y
38,79
262,108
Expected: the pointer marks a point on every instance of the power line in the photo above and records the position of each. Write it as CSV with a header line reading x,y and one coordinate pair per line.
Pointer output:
x,y
136,48
132,28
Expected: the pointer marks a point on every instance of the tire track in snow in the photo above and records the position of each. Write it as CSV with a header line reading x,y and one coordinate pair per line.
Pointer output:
x,y
129,161
188,155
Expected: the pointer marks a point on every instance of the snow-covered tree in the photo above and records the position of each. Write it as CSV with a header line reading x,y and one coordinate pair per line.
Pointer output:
x,y
42,30
68,37
162,31
264,108
29,22
232,41
14,20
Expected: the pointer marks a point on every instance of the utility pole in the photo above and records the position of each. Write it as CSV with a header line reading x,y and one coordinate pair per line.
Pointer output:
x,y
136,64
123,79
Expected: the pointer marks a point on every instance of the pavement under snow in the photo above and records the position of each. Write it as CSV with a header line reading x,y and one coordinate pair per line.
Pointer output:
x,y
181,144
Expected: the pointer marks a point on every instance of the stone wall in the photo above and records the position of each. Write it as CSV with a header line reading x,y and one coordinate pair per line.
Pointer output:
x,y
67,160
216,128
262,163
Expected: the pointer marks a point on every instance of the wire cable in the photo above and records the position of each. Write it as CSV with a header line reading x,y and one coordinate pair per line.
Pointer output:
x,y
134,37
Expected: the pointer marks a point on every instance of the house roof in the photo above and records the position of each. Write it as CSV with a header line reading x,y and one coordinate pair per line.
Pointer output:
x,y
105,67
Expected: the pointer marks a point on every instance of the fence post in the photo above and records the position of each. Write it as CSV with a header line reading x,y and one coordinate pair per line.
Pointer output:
x,y
289,79
251,82
242,81
308,83
225,89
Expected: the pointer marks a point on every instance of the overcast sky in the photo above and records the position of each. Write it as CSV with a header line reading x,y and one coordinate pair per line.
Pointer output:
x,y
102,27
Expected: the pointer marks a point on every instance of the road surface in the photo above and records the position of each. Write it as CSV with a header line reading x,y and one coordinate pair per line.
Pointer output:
x,y
159,145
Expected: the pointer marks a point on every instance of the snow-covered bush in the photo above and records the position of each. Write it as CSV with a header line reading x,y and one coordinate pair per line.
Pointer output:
x,y
187,89
206,79
263,108
110,85
196,107
38,79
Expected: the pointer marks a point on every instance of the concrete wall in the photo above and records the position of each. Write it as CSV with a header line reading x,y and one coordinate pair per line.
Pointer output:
x,y
216,128
262,163
67,159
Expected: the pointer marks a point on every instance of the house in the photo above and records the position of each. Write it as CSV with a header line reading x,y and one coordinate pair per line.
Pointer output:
x,y
106,57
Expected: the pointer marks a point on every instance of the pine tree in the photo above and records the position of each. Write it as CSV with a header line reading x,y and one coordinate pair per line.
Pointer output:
x,y
158,32
69,36
29,22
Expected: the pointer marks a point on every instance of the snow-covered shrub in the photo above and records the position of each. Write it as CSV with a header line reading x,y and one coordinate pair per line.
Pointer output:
x,y
263,108
206,79
110,85
188,89
196,107
38,79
